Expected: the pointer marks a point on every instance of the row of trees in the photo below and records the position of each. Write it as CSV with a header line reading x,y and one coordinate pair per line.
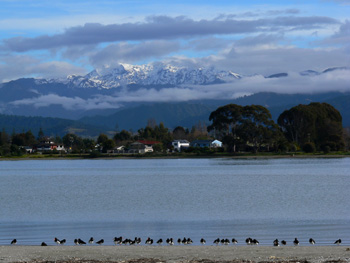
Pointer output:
x,y
11,144
317,126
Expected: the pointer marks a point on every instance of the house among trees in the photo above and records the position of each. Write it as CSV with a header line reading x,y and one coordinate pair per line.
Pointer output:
x,y
206,143
118,149
47,145
142,146
180,144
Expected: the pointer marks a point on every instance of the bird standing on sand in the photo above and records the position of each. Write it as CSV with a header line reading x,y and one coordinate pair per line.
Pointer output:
x,y
57,241
81,242
296,242
249,241
338,242
149,241
100,242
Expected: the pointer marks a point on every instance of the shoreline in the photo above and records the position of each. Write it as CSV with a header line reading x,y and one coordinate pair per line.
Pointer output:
x,y
174,254
142,157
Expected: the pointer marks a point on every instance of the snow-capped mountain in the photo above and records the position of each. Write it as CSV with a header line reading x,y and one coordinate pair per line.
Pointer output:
x,y
151,74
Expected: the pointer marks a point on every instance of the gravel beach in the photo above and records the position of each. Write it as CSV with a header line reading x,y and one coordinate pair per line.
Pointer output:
x,y
191,254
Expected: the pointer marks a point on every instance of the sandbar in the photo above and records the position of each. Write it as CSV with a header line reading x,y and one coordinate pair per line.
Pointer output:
x,y
174,254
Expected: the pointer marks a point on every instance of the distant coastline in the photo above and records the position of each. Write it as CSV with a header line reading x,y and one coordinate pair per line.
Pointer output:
x,y
177,156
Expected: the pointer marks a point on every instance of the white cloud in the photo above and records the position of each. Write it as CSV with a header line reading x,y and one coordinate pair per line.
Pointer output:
x,y
331,81
20,66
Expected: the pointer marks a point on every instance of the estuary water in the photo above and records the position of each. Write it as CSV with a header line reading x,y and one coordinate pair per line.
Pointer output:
x,y
160,198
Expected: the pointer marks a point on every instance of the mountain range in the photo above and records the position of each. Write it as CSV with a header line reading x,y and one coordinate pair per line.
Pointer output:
x,y
89,104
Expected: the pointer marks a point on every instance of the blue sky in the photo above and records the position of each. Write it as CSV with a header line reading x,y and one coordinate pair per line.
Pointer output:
x,y
52,39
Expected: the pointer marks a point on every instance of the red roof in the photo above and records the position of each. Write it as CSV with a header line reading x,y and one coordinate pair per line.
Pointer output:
x,y
149,142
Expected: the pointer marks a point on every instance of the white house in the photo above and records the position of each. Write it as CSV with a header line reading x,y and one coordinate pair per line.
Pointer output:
x,y
178,144
216,144
142,146
206,143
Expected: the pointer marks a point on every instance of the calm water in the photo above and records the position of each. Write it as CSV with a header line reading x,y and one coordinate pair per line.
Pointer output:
x,y
209,198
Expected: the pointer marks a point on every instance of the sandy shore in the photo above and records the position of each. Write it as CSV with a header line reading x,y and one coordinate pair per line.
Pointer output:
x,y
184,254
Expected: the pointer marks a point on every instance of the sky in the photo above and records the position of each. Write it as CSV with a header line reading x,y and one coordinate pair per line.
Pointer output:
x,y
53,39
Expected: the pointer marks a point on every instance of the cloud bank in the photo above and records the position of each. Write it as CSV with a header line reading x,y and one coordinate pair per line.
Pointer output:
x,y
331,81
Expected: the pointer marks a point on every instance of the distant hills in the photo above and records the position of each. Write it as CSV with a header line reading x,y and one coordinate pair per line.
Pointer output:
x,y
91,104
50,126
171,114
190,113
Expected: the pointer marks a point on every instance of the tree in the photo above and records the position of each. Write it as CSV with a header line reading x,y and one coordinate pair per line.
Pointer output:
x,y
225,121
108,144
249,125
102,138
41,134
257,127
89,144
4,138
122,136
22,139
318,123
179,133
73,141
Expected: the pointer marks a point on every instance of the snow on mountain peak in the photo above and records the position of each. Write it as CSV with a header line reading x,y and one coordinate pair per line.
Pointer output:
x,y
151,74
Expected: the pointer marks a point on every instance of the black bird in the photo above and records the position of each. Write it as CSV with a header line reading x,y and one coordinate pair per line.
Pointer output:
x,y
311,241
337,242
283,242
248,241
255,242
202,241
138,240
225,241
118,240
160,241
217,241
100,242
91,240
296,242
170,241
43,244
276,243
63,241
81,242
126,241
14,242
149,241
234,241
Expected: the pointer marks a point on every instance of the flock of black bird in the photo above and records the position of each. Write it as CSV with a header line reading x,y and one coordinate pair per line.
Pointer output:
x,y
170,241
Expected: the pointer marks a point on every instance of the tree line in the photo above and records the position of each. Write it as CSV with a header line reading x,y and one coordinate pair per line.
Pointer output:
x,y
313,127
